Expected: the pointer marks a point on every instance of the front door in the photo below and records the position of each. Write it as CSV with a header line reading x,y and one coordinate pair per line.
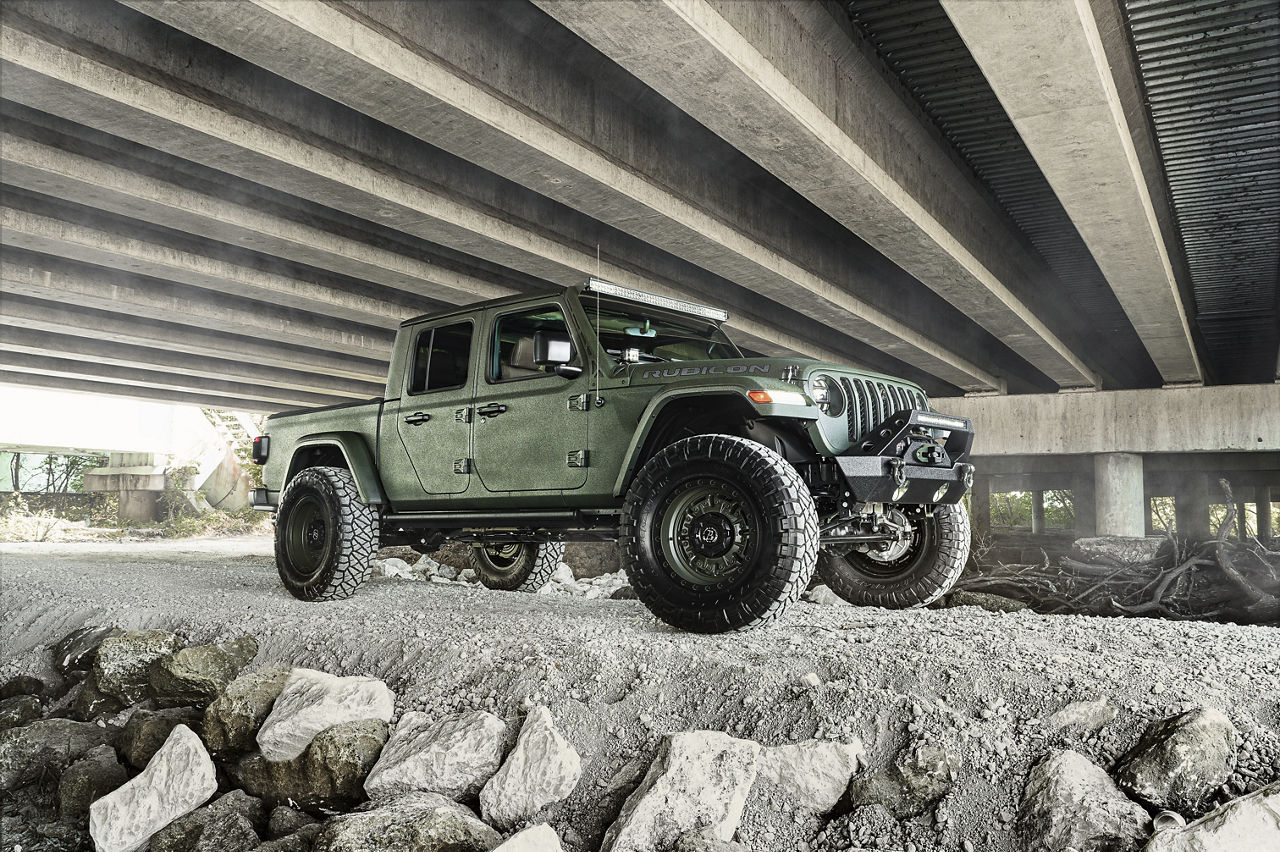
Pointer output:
x,y
530,430
434,420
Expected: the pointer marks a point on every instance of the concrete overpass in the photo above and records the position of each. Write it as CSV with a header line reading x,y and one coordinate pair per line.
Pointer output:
x,y
233,202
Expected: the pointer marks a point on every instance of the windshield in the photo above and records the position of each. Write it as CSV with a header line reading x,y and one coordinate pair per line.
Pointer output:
x,y
655,335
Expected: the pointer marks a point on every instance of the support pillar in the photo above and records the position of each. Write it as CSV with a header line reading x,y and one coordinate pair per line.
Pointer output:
x,y
1082,502
1191,507
1263,497
1118,491
1037,513
980,505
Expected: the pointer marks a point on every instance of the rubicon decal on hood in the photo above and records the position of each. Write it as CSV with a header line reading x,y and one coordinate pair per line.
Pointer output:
x,y
675,372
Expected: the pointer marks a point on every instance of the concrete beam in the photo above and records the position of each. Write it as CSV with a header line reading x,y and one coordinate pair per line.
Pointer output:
x,y
93,388
1162,420
47,76
38,277
68,368
283,381
782,84
1046,62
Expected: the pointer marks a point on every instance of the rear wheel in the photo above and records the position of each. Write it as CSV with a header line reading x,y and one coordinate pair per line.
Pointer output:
x,y
325,535
516,567
914,572
718,533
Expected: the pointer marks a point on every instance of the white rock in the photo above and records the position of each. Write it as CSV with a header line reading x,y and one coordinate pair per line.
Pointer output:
x,y
180,778
1070,802
453,756
312,701
822,594
394,567
1248,824
813,774
1084,717
535,838
699,779
543,768
563,574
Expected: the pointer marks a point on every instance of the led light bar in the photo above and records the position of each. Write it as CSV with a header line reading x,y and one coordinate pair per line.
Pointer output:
x,y
941,422
608,288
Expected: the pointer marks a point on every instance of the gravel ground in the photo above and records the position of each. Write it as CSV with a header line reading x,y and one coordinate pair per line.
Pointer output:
x,y
977,683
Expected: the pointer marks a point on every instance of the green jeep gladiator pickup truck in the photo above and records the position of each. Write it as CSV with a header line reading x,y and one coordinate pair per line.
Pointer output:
x,y
600,413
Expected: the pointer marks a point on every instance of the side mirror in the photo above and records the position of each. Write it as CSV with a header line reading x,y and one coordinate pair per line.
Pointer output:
x,y
550,349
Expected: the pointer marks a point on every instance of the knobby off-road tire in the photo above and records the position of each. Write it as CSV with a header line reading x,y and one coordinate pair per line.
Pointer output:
x,y
926,572
524,567
325,535
718,533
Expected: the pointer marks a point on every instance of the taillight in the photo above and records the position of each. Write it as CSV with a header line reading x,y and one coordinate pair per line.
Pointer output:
x,y
261,449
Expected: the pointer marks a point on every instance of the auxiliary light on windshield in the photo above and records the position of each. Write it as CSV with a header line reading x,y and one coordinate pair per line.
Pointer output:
x,y
608,288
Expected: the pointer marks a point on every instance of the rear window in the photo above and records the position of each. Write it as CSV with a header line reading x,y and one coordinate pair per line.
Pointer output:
x,y
441,358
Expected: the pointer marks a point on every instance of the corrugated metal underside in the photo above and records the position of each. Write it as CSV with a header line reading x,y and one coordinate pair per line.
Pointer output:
x,y
917,42
1212,75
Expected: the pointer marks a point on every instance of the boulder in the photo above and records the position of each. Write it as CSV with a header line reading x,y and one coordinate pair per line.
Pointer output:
x,y
19,710
48,746
312,701
231,722
195,676
542,769
453,756
148,730
1081,718
1071,803
698,780
919,777
1179,761
329,773
180,778
123,662
422,822
811,775
90,778
822,594
299,841
706,841
75,651
1248,824
22,685
90,702
230,823
285,820
535,838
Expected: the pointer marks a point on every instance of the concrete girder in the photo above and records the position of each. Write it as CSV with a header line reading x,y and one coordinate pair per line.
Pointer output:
x,y
60,238
47,76
285,381
1046,63
342,57
59,368
204,400
162,300
71,177
844,140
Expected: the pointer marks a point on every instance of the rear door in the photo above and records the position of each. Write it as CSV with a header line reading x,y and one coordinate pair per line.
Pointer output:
x,y
434,420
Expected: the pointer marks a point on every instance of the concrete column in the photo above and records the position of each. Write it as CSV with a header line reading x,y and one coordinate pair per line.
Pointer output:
x,y
1037,513
1264,512
980,505
140,507
1082,498
1191,507
1118,492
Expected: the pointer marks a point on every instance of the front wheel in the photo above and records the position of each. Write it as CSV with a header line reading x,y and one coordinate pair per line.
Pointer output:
x,y
516,567
914,572
718,533
325,535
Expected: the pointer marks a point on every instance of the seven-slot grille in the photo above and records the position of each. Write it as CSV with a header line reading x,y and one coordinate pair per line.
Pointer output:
x,y
871,402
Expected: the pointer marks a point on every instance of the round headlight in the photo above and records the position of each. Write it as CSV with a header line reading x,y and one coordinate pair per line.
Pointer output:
x,y
826,392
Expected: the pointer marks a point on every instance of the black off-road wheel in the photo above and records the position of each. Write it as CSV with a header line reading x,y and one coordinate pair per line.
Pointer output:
x,y
911,573
718,533
325,535
516,567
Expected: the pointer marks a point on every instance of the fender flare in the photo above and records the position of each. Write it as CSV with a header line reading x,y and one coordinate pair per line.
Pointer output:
x,y
359,460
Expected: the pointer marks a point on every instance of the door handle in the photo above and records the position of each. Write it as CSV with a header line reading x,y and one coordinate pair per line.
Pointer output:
x,y
493,409
417,418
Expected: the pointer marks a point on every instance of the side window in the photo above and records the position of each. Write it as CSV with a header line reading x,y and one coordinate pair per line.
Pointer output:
x,y
441,358
512,356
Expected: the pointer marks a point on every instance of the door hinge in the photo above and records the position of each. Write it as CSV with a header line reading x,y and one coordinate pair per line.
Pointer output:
x,y
462,466
581,402
578,458
462,415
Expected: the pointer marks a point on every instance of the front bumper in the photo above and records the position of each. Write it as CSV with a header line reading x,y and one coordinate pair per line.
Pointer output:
x,y
898,465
